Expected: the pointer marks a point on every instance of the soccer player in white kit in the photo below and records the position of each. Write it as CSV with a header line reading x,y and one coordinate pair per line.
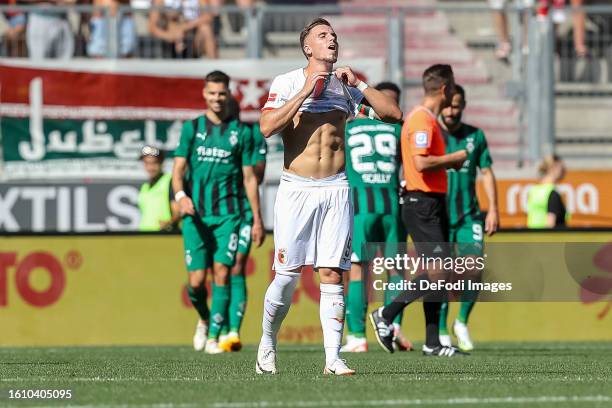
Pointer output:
x,y
313,210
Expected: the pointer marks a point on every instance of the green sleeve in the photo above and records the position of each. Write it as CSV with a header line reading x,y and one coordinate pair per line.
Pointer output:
x,y
484,161
260,147
183,149
247,146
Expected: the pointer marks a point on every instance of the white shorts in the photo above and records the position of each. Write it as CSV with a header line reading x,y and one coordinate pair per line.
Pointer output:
x,y
501,4
313,223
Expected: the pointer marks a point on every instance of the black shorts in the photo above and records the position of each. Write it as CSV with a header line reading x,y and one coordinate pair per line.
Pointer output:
x,y
426,221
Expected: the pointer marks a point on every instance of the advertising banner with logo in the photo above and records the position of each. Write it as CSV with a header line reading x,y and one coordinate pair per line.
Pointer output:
x,y
68,120
587,196
65,207
111,290
85,207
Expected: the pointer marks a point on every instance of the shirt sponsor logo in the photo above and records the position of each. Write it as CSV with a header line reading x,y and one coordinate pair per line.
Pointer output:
x,y
212,153
421,139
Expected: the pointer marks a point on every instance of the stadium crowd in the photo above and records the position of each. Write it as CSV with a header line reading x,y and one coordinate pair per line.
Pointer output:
x,y
181,29
178,29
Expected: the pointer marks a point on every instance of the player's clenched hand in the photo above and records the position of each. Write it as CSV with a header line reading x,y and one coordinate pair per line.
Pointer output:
x,y
346,75
258,233
458,158
186,206
491,222
311,82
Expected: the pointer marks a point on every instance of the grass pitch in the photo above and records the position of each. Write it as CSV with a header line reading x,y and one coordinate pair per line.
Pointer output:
x,y
496,374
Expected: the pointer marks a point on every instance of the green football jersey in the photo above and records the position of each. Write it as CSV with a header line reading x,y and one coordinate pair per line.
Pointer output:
x,y
372,164
215,156
461,197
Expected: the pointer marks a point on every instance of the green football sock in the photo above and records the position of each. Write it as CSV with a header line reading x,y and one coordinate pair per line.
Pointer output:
x,y
468,300
238,300
443,325
198,300
356,308
392,294
218,310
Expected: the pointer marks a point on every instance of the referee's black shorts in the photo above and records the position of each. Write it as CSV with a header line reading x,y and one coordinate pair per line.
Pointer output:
x,y
426,221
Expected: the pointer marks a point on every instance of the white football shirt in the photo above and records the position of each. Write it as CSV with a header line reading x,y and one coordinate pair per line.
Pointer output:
x,y
337,96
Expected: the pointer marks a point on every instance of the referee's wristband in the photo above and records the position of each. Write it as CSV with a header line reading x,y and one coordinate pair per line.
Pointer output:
x,y
362,86
179,195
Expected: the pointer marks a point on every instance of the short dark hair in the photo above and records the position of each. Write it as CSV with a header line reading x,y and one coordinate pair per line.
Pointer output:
x,y
316,22
459,91
217,76
436,76
389,86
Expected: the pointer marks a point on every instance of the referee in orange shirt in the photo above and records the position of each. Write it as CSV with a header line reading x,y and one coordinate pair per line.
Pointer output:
x,y
424,209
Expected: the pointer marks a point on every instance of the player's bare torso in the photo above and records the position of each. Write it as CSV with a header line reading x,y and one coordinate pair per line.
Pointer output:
x,y
314,144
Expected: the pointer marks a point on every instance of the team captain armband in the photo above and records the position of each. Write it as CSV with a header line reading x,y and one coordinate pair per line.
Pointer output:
x,y
366,110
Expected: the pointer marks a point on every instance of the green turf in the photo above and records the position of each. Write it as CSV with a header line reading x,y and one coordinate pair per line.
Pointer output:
x,y
576,374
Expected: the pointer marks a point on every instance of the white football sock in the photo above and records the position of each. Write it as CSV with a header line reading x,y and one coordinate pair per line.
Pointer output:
x,y
276,305
331,310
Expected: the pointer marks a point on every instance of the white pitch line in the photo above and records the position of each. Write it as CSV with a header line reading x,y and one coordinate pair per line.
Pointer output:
x,y
404,402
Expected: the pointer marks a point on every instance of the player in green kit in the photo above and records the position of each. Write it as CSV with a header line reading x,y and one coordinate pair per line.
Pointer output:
x,y
372,168
230,341
217,150
466,224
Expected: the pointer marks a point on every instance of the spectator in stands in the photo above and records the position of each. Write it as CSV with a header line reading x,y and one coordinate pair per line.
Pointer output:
x,y
97,45
12,38
504,47
579,20
545,208
184,28
48,32
236,20
158,210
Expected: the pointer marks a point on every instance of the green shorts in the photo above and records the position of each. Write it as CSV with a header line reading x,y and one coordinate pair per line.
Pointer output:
x,y
210,239
376,228
244,235
468,238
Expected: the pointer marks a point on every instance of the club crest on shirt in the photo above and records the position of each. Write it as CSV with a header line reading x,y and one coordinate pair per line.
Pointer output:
x,y
470,145
421,139
281,256
233,139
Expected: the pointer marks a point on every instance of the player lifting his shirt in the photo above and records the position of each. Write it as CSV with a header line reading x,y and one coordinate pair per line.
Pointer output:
x,y
313,211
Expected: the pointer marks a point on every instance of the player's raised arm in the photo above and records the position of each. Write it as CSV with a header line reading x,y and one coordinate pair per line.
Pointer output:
x,y
277,113
384,106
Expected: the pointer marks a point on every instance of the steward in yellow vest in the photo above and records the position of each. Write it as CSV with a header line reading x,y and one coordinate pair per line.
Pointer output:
x,y
155,199
545,208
